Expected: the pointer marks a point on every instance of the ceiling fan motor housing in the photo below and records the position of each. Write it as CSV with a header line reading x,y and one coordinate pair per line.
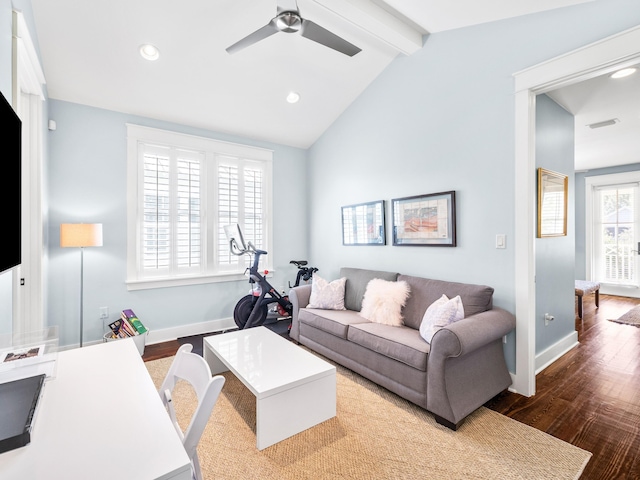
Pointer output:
x,y
289,22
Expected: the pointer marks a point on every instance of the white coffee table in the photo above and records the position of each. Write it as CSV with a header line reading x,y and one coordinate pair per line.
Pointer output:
x,y
294,389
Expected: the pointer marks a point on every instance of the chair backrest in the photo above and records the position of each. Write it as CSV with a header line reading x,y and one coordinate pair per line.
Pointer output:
x,y
195,370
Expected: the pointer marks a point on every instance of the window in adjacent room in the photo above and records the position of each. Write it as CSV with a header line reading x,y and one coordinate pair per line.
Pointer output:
x,y
183,190
616,234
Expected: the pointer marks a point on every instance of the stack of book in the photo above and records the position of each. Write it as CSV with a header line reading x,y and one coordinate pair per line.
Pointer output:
x,y
128,325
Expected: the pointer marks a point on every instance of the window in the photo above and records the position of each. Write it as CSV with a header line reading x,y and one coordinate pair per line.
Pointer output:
x,y
612,227
182,191
615,234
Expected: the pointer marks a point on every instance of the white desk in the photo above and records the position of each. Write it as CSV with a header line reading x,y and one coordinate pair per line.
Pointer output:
x,y
294,389
100,418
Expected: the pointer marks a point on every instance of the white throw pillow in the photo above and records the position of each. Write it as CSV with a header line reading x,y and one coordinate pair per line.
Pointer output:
x,y
441,313
325,295
383,301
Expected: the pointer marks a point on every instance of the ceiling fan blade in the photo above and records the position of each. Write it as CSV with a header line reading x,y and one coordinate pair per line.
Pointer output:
x,y
321,35
287,6
260,34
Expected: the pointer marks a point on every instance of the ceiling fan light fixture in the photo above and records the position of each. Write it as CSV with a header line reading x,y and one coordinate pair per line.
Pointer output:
x,y
289,22
625,72
149,52
293,97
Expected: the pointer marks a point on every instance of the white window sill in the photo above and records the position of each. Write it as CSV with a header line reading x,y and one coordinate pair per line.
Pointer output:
x,y
150,283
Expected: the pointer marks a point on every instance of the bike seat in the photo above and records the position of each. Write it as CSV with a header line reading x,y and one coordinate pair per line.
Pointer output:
x,y
299,263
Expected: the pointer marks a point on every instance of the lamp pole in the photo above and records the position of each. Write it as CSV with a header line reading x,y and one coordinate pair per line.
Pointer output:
x,y
81,294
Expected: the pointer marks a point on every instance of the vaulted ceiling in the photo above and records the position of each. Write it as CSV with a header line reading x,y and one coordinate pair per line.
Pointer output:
x,y
90,54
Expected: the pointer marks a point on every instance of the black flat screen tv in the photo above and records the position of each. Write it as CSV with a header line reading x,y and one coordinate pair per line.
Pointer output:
x,y
11,126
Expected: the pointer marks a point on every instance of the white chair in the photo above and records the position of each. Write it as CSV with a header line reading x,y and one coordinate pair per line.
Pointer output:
x,y
195,370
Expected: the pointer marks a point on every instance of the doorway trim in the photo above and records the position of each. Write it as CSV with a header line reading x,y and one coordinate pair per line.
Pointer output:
x,y
601,57
28,98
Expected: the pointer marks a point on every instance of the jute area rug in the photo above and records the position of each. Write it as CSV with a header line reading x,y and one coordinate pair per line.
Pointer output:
x,y
375,435
632,317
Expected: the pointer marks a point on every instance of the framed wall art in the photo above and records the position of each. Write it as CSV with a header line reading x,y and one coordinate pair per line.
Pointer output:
x,y
363,224
425,220
552,203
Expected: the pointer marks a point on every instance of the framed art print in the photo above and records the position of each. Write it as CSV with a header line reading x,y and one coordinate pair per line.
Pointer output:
x,y
425,220
363,224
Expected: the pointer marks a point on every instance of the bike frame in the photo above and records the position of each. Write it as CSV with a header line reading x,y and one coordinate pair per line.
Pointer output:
x,y
268,294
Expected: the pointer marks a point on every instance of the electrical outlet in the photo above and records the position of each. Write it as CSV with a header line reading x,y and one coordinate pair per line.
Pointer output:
x,y
104,312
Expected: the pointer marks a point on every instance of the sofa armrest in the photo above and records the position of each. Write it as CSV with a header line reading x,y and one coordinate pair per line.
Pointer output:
x,y
465,336
466,365
299,298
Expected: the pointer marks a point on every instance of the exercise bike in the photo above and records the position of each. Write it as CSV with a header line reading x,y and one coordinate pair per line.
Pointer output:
x,y
252,310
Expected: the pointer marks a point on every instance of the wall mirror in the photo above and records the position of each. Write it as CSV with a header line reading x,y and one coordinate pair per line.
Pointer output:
x,y
552,203
363,224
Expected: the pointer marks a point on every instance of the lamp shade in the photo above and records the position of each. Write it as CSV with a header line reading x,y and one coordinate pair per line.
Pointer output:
x,y
81,235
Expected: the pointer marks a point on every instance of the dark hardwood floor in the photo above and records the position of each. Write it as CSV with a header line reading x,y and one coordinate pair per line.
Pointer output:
x,y
590,397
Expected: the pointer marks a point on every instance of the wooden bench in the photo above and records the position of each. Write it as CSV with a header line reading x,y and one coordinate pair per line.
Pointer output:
x,y
583,288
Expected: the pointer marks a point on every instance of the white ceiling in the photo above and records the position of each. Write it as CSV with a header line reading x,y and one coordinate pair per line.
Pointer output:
x,y
597,100
90,56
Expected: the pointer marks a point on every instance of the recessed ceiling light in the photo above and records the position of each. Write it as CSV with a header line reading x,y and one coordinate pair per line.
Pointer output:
x,y
625,72
149,52
293,97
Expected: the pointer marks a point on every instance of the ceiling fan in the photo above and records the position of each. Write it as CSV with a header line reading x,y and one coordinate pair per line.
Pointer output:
x,y
288,20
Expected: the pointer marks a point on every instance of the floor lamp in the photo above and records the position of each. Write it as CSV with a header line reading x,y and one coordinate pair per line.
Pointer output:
x,y
81,235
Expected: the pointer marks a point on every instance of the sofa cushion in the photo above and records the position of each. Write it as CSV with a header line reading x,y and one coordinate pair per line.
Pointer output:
x,y
357,281
441,313
403,344
383,301
327,295
335,322
425,291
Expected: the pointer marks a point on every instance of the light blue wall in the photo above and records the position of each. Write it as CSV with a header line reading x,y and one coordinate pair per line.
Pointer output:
x,y
581,235
87,183
443,119
555,256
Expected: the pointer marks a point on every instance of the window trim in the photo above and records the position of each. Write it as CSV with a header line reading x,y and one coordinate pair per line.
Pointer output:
x,y
591,183
136,135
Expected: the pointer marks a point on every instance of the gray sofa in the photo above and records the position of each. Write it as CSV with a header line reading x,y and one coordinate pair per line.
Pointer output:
x,y
458,372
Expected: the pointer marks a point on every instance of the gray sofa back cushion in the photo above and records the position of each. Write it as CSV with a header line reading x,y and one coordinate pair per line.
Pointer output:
x,y
425,291
357,280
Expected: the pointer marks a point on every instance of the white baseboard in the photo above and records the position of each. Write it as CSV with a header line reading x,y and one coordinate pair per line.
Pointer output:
x,y
550,355
555,351
168,334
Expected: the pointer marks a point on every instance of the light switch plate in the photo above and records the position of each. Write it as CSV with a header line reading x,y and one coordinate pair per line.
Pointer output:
x,y
501,240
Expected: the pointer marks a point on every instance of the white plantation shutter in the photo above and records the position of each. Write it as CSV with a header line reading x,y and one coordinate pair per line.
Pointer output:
x,y
172,213
189,215
253,205
183,190
241,200
227,211
156,225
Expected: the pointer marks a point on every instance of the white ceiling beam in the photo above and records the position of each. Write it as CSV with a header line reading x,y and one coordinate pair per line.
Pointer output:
x,y
377,22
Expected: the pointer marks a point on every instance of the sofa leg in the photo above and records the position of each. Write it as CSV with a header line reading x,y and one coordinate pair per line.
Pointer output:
x,y
446,423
